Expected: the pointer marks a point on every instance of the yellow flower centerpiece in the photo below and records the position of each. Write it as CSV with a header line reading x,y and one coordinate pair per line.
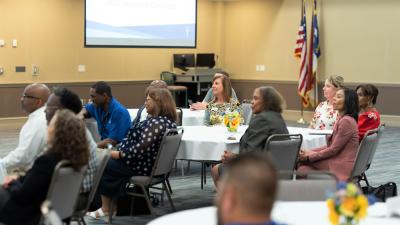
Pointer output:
x,y
348,205
232,121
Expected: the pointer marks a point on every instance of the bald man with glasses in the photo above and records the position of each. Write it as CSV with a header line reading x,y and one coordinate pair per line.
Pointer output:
x,y
32,137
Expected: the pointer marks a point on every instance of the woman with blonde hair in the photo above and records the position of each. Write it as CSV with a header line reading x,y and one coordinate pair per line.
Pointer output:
x,y
21,197
222,102
137,152
325,115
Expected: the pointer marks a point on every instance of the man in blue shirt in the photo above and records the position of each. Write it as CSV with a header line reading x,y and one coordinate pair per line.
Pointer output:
x,y
247,191
113,119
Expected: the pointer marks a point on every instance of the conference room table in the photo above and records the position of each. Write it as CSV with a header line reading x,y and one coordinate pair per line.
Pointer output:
x,y
291,213
189,117
209,142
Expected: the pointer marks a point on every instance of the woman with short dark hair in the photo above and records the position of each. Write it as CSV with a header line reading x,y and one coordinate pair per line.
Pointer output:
x,y
21,197
340,154
267,105
369,117
137,152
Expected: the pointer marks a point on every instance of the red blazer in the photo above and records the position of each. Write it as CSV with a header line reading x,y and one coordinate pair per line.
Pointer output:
x,y
340,154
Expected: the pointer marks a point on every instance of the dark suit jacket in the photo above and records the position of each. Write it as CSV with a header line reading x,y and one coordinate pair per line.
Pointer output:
x,y
261,126
28,192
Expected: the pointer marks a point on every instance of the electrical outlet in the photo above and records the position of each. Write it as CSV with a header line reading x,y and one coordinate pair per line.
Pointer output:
x,y
1,70
14,43
260,68
35,70
81,68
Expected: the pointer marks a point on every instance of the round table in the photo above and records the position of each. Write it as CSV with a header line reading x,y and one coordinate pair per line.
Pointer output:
x,y
209,142
294,213
189,117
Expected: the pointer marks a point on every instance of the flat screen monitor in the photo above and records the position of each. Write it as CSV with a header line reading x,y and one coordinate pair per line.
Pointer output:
x,y
205,60
141,23
182,61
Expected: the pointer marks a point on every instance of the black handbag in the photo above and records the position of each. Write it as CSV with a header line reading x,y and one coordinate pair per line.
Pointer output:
x,y
381,192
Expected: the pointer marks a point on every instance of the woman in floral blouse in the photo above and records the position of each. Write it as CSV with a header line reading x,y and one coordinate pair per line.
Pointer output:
x,y
222,102
369,117
325,116
137,152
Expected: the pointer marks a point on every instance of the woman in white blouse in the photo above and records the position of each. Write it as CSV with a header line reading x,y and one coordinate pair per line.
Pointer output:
x,y
325,116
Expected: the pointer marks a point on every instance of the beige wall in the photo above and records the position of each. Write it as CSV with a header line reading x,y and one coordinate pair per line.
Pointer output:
x,y
359,39
50,35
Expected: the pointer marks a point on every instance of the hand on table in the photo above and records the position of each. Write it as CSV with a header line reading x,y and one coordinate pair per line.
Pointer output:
x,y
303,156
198,106
227,156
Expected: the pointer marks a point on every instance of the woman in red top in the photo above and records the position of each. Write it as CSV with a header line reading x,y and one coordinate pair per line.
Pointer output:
x,y
369,117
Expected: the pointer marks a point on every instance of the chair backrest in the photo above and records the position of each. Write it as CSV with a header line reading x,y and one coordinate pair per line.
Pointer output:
x,y
283,150
179,112
102,159
316,187
50,217
381,128
365,149
168,77
168,150
247,112
64,188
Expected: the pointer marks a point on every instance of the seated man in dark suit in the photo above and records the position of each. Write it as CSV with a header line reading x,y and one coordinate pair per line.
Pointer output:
x,y
247,191
113,119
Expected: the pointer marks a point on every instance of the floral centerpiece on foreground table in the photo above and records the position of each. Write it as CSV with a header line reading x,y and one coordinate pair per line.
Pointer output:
x,y
232,121
348,205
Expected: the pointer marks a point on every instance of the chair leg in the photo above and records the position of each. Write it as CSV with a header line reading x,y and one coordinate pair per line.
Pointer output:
x,y
364,177
147,197
81,221
169,186
202,175
205,173
186,99
169,196
182,170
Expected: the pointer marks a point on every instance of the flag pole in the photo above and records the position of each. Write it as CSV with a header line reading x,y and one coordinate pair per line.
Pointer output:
x,y
301,120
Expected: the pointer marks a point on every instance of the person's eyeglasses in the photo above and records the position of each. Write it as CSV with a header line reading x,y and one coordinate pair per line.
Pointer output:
x,y
29,96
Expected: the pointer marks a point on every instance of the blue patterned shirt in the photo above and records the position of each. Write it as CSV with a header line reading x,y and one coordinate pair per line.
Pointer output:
x,y
142,143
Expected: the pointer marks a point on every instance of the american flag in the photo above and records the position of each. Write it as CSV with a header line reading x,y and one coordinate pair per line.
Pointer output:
x,y
313,57
301,52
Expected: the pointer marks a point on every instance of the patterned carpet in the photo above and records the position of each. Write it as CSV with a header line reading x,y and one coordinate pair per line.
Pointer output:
x,y
187,193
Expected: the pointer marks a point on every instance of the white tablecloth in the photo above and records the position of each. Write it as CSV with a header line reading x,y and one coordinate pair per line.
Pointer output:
x,y
209,143
311,138
291,213
189,117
